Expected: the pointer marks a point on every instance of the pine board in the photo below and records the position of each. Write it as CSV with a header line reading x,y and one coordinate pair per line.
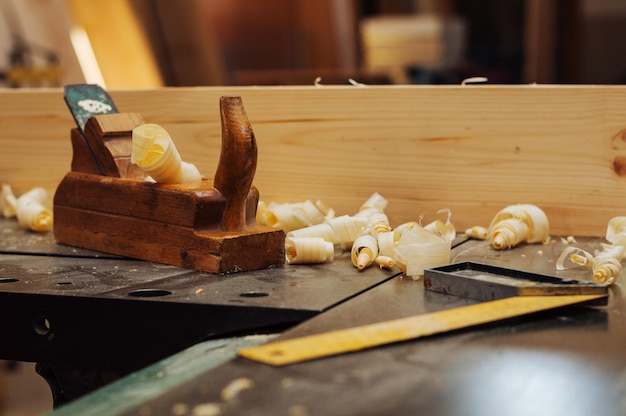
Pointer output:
x,y
471,149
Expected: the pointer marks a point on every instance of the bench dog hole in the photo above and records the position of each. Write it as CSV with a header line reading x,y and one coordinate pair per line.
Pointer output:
x,y
254,294
43,327
149,293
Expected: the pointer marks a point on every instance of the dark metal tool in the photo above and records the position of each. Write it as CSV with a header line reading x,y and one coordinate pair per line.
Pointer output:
x,y
486,282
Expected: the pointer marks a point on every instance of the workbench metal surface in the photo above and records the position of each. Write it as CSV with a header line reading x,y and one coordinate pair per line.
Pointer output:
x,y
88,318
566,361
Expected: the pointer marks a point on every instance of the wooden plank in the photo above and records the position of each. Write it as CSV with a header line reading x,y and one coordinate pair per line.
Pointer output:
x,y
471,149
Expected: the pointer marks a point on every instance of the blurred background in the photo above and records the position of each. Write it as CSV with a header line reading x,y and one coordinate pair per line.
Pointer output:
x,y
153,43
157,43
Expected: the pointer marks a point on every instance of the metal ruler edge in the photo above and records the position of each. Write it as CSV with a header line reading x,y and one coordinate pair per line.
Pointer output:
x,y
310,347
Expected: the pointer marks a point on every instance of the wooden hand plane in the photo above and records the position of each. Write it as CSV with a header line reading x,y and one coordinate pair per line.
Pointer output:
x,y
105,203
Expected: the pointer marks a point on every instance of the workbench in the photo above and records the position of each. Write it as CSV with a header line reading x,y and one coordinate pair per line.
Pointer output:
x,y
88,318
567,361
472,149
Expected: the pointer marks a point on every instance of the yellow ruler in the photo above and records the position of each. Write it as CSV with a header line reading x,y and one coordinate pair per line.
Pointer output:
x,y
361,337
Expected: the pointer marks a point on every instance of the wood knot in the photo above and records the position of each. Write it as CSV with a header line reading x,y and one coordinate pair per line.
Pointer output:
x,y
619,139
619,165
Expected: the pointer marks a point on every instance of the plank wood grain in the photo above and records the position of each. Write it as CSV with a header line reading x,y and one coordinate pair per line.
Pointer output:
x,y
471,149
